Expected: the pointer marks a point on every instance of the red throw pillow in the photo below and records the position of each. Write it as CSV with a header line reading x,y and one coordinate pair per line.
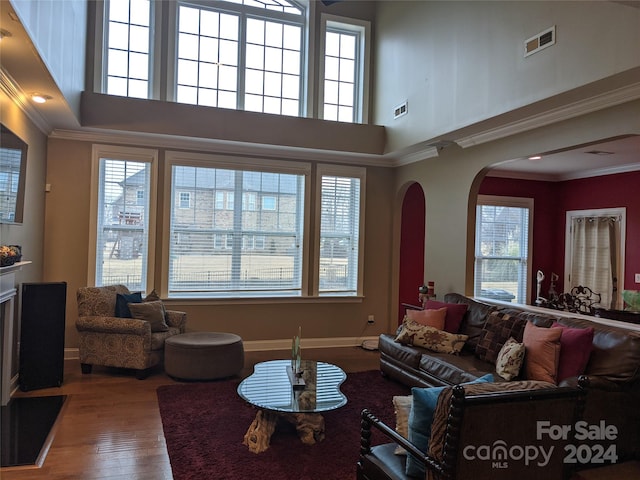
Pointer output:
x,y
576,345
455,313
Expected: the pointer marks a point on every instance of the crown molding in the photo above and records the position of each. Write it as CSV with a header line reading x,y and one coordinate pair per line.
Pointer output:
x,y
11,88
566,112
220,146
548,177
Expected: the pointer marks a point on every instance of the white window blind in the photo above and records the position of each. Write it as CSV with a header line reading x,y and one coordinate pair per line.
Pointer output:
x,y
221,248
122,240
339,235
502,251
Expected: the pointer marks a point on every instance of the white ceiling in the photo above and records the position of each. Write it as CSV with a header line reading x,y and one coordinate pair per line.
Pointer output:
x,y
604,158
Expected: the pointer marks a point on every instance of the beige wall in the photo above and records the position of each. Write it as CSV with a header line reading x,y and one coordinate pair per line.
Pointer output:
x,y
29,234
460,63
66,250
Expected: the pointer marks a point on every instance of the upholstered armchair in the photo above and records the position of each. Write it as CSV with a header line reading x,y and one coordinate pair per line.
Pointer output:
x,y
478,431
107,340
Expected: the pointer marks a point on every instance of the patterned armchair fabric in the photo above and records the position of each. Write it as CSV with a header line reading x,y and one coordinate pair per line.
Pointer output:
x,y
119,342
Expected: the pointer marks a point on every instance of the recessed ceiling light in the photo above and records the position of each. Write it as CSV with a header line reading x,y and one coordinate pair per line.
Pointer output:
x,y
40,97
535,157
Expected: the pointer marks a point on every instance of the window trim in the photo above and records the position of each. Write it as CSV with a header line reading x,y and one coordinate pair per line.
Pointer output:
x,y
176,158
133,154
339,171
363,27
517,202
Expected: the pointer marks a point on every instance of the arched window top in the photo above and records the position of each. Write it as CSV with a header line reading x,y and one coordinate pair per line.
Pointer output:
x,y
276,5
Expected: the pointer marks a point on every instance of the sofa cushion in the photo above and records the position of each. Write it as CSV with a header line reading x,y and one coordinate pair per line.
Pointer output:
x,y
500,326
420,419
432,339
430,318
405,354
510,359
454,316
455,369
473,320
576,345
616,351
542,352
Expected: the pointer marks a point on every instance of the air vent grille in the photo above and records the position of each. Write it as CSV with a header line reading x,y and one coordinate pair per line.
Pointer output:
x,y
540,41
400,110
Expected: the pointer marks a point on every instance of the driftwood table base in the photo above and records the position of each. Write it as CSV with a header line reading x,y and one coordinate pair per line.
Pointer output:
x,y
310,428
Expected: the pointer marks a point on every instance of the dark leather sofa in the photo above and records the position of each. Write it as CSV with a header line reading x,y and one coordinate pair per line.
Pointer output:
x,y
613,370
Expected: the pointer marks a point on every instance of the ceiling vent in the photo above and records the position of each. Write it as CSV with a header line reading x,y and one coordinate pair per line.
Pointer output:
x,y
540,41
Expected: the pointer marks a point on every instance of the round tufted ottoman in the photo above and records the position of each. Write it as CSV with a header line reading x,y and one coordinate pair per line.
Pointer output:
x,y
203,355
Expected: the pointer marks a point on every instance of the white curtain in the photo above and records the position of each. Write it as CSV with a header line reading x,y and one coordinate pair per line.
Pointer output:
x,y
593,263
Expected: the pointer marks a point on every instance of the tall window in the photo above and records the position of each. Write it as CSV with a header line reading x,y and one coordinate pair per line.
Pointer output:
x,y
123,218
241,56
502,263
340,233
344,70
212,246
128,48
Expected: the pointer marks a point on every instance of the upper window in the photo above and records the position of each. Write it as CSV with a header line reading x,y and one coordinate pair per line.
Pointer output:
x,y
502,263
345,66
128,48
241,54
123,216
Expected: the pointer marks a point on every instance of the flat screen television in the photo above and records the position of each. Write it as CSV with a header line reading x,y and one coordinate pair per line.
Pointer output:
x,y
13,169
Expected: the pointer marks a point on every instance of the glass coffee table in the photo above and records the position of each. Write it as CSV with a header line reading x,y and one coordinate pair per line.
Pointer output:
x,y
269,389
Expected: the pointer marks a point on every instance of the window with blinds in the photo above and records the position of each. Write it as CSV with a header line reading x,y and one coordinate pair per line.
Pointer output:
x,y
122,236
340,210
241,234
502,263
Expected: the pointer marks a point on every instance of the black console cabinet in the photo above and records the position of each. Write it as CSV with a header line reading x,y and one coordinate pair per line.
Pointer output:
x,y
42,335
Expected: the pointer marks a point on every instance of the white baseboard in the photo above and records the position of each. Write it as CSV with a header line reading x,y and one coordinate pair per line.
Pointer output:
x,y
278,344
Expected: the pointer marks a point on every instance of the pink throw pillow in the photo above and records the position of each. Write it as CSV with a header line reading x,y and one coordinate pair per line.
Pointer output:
x,y
576,345
542,346
455,313
429,318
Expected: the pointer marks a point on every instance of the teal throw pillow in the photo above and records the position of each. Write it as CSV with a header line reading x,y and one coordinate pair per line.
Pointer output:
x,y
420,419
122,309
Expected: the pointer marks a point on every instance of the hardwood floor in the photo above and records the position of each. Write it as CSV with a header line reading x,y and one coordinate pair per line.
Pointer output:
x,y
110,426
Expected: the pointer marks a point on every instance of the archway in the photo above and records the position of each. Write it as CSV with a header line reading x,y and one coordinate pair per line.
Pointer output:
x,y
412,234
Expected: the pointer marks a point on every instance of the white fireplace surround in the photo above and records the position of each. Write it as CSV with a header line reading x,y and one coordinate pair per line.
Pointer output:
x,y
8,294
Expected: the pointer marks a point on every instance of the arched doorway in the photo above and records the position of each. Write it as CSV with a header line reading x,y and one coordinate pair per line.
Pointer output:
x,y
412,233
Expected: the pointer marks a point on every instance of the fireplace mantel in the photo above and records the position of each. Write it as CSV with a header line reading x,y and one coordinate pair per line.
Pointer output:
x,y
8,292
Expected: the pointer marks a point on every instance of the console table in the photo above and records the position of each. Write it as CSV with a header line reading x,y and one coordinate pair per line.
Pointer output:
x,y
621,315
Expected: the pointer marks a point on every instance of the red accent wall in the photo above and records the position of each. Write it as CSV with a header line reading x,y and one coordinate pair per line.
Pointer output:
x,y
551,202
412,234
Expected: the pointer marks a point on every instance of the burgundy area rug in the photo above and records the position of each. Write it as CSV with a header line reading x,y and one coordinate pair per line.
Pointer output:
x,y
204,424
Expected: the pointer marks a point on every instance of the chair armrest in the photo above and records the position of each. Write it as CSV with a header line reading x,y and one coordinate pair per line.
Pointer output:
x,y
369,420
176,319
124,326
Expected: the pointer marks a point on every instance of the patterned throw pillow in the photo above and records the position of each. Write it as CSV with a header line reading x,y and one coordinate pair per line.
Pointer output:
x,y
496,331
402,407
510,358
413,333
